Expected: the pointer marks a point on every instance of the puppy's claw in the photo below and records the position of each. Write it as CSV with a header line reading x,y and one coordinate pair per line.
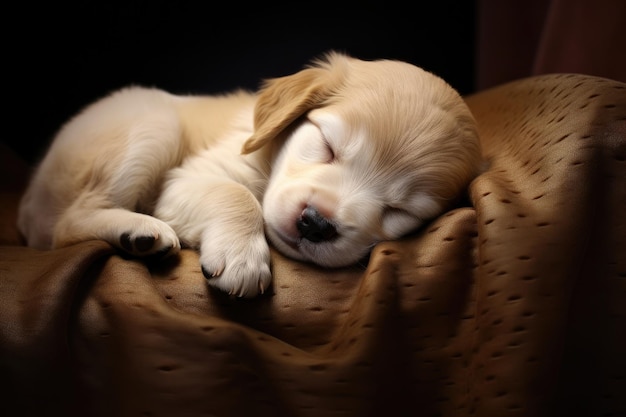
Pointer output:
x,y
238,290
212,274
204,272
207,274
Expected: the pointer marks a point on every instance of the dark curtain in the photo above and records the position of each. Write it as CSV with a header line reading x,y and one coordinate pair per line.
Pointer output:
x,y
519,38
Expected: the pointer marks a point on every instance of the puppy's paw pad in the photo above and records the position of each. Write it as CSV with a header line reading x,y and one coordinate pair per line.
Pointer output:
x,y
161,254
148,245
138,244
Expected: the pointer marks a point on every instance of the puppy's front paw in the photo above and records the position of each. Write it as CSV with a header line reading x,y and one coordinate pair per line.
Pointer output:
x,y
150,238
240,268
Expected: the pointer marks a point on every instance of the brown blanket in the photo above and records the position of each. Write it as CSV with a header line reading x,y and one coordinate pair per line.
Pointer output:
x,y
514,304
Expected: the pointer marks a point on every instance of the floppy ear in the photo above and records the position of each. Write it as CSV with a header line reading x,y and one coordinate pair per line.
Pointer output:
x,y
282,100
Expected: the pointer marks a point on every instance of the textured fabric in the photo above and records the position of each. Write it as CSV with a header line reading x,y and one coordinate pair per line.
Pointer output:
x,y
513,304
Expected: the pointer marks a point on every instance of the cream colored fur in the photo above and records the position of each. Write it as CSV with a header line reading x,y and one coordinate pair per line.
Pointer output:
x,y
325,163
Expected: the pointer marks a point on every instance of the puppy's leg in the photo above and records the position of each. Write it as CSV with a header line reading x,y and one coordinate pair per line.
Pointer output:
x,y
225,221
103,169
91,217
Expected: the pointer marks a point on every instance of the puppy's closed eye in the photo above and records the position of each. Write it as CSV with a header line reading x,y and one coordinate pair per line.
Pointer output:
x,y
397,222
317,148
407,215
330,152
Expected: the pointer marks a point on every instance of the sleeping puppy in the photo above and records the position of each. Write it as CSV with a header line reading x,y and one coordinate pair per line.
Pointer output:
x,y
325,163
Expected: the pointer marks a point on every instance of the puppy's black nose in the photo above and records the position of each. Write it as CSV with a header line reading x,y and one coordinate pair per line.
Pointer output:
x,y
315,227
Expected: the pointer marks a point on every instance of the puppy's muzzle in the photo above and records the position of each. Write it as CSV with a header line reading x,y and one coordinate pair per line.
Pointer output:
x,y
314,227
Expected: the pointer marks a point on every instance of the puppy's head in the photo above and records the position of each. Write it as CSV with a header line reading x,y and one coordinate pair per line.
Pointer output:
x,y
371,150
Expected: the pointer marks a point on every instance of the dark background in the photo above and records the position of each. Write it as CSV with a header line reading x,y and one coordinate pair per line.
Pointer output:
x,y
61,56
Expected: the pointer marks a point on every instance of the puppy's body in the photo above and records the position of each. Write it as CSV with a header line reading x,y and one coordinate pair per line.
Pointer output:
x,y
325,162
